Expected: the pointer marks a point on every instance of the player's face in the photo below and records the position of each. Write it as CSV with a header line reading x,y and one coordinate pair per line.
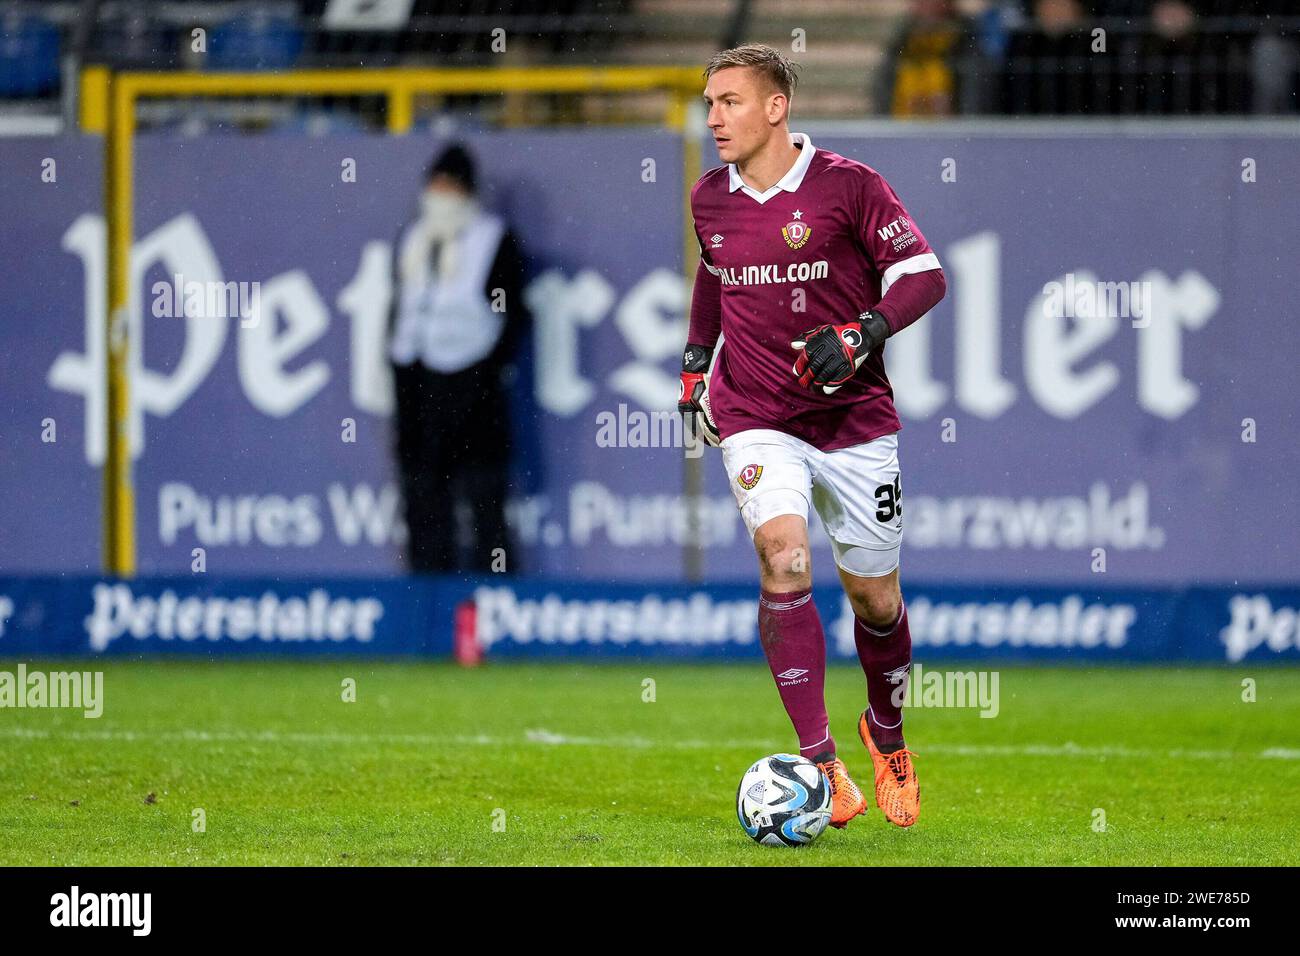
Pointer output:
x,y
740,113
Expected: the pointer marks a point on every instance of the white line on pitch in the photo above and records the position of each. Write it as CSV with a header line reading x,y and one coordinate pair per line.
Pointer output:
x,y
547,738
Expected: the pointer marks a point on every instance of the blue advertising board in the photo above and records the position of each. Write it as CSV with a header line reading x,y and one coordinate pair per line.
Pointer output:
x,y
504,618
1111,377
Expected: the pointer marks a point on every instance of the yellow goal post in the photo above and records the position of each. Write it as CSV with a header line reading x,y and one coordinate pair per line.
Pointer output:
x,y
107,107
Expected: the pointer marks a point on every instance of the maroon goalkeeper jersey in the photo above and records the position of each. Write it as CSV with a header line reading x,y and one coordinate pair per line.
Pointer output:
x,y
831,233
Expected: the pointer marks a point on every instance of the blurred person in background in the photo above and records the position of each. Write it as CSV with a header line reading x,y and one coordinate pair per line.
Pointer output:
x,y
928,72
1210,56
1163,57
1186,68
1047,61
457,317
1275,57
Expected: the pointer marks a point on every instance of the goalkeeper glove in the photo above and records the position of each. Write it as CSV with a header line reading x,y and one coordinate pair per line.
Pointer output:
x,y
829,355
693,398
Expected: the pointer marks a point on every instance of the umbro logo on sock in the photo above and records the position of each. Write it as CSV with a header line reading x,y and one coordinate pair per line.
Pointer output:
x,y
792,673
897,674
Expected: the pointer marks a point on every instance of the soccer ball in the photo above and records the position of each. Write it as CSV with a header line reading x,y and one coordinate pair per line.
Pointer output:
x,y
784,800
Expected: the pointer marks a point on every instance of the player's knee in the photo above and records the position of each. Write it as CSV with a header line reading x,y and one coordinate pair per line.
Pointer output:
x,y
876,604
783,560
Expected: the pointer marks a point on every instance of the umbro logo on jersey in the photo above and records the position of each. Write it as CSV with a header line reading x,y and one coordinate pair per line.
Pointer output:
x,y
716,240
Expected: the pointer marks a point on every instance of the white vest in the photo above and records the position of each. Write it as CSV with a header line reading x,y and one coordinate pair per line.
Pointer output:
x,y
447,322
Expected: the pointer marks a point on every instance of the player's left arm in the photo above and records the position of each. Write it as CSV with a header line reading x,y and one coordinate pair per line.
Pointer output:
x,y
911,284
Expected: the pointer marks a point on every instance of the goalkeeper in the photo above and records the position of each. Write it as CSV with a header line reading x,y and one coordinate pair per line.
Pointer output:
x,y
809,263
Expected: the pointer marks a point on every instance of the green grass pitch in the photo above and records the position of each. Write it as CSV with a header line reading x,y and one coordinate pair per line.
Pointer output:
x,y
516,763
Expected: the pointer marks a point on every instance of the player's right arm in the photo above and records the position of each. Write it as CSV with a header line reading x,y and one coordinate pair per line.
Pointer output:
x,y
701,339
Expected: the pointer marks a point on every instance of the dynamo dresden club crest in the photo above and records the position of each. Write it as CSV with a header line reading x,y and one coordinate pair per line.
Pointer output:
x,y
796,233
749,476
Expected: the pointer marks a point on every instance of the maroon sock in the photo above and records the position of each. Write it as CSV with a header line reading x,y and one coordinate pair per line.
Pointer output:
x,y
886,657
790,631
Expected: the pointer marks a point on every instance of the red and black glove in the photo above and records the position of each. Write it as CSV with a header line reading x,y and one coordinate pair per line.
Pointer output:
x,y
829,355
693,398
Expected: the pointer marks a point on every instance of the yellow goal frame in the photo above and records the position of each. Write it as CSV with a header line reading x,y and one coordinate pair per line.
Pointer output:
x,y
108,106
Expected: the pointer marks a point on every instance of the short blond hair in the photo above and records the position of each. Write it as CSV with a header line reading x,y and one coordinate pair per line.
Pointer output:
x,y
771,63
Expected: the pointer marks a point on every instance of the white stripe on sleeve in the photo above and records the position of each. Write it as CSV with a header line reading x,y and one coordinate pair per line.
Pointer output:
x,y
922,263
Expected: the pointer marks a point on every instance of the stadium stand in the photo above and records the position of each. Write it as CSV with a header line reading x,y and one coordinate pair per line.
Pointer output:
x,y
861,58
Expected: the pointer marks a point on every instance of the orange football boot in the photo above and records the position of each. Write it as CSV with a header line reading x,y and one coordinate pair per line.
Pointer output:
x,y
898,794
846,799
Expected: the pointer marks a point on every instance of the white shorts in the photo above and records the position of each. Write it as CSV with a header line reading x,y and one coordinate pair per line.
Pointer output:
x,y
856,491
